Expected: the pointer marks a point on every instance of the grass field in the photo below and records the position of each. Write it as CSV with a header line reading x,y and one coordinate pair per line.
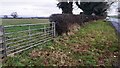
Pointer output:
x,y
95,44
22,21
7,22
20,35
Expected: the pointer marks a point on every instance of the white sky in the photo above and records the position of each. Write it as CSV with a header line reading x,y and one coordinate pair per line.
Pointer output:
x,y
113,9
29,7
34,7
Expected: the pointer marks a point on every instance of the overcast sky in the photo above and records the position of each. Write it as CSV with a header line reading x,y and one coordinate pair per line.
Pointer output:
x,y
36,7
113,9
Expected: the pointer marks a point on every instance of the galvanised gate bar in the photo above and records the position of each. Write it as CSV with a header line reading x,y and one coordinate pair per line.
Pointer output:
x,y
17,38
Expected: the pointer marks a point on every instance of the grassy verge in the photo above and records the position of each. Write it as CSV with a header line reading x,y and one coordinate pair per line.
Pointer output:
x,y
95,44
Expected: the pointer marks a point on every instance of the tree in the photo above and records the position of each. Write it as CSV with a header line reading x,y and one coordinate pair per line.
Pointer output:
x,y
14,14
118,12
66,7
98,8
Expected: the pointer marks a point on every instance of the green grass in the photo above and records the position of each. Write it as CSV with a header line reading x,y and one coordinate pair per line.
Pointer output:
x,y
22,21
114,16
95,44
15,30
22,28
6,22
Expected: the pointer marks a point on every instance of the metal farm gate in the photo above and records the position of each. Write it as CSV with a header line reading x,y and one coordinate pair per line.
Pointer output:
x,y
17,38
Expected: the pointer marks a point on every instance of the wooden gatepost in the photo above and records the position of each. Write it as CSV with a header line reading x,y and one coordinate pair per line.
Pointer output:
x,y
2,45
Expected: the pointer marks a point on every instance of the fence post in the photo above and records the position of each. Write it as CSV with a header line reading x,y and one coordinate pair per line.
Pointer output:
x,y
29,36
2,45
45,31
53,28
29,30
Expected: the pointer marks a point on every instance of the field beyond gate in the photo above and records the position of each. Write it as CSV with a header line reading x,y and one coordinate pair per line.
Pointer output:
x,y
18,38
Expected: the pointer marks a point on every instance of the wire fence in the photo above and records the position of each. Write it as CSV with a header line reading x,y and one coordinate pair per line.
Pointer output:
x,y
17,38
